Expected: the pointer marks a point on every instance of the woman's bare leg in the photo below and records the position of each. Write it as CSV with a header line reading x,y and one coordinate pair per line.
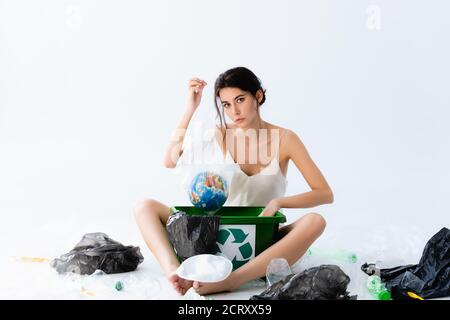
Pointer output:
x,y
296,238
151,217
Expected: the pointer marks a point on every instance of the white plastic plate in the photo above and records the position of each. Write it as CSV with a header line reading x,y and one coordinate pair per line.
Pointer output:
x,y
205,268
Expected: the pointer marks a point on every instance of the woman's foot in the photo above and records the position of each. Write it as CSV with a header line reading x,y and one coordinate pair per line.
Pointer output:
x,y
227,285
179,284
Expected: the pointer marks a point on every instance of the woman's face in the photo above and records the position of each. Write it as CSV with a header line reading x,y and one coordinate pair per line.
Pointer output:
x,y
240,106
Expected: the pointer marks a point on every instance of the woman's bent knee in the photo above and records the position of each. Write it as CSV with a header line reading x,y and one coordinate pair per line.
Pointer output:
x,y
143,207
151,207
317,220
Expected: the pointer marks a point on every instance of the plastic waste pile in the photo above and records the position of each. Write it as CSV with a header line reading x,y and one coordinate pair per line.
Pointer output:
x,y
324,282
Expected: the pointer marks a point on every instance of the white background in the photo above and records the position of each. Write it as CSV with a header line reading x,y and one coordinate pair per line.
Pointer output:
x,y
90,92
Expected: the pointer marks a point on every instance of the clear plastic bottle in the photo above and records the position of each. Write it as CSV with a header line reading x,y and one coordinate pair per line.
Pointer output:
x,y
277,270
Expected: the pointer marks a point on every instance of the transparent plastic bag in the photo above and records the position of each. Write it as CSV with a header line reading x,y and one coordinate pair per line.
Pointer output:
x,y
201,153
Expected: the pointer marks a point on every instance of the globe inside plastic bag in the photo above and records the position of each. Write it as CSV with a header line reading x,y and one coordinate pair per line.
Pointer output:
x,y
207,185
209,191
203,171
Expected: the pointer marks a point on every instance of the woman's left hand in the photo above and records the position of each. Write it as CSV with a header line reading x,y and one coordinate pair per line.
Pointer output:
x,y
272,207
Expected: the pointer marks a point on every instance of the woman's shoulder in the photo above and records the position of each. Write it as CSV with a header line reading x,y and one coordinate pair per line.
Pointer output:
x,y
289,140
219,131
289,137
283,132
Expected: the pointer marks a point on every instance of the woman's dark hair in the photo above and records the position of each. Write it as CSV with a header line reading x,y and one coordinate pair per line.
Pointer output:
x,y
239,77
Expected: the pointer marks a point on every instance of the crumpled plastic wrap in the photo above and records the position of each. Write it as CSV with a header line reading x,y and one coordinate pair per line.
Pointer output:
x,y
96,251
430,278
325,282
192,235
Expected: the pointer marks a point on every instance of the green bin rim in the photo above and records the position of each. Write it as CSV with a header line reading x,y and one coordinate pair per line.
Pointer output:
x,y
278,217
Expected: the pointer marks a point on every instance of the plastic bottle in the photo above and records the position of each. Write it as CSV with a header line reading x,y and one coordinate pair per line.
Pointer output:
x,y
277,270
339,254
377,289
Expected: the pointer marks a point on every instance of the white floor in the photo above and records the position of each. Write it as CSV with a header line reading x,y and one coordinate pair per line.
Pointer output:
x,y
393,244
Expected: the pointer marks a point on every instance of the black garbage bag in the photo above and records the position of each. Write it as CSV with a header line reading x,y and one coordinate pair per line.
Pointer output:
x,y
430,278
192,235
98,251
325,282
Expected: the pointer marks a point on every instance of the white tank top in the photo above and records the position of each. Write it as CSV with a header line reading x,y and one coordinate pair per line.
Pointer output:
x,y
257,189
243,190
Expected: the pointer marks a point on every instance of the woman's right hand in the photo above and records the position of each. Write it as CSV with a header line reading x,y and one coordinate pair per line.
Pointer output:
x,y
195,90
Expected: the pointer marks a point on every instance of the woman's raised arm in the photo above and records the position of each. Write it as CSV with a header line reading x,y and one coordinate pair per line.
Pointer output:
x,y
174,149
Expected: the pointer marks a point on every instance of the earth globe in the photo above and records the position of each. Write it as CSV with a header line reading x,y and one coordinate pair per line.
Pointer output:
x,y
208,191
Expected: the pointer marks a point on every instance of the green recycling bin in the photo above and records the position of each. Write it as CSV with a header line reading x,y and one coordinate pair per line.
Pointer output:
x,y
242,234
